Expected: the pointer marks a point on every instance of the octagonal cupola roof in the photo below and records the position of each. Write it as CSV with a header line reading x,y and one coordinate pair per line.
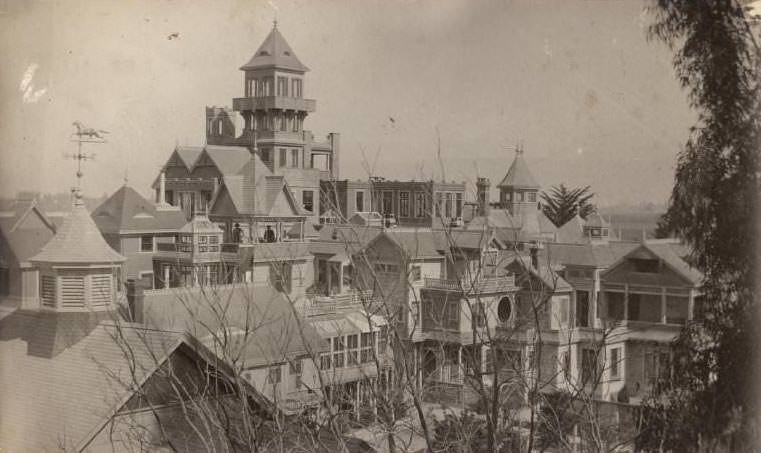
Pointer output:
x,y
78,241
518,175
275,53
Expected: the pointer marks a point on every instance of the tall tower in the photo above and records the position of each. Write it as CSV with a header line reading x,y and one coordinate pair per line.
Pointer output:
x,y
273,107
518,189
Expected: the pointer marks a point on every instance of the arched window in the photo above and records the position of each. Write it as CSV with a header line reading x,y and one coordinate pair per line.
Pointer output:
x,y
504,309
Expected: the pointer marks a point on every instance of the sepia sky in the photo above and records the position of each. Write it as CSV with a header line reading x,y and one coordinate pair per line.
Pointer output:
x,y
593,101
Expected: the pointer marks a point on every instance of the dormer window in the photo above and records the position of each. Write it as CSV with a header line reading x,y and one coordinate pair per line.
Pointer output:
x,y
264,53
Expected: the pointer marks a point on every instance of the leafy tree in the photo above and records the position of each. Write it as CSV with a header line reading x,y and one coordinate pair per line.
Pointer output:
x,y
562,204
714,207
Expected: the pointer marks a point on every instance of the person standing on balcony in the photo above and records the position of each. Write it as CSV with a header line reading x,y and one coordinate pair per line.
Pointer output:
x,y
269,234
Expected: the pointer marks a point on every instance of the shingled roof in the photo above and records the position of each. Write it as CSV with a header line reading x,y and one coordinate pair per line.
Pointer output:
x,y
275,53
78,240
127,211
519,176
26,229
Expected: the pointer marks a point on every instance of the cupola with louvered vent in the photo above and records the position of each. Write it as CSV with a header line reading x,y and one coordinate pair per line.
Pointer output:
x,y
78,269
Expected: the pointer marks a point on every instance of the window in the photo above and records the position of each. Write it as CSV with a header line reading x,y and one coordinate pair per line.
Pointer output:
x,y
388,203
504,309
566,364
294,370
265,154
274,376
295,158
382,339
352,346
452,314
559,312
359,201
419,204
519,196
532,197
325,361
615,304
479,314
415,274
282,86
283,121
404,204
615,359
509,359
307,198
582,308
448,205
644,307
338,352
146,243
458,204
676,309
368,342
296,91
588,366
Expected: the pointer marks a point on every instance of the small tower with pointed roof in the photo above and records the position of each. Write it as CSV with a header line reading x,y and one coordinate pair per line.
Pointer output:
x,y
518,191
78,269
273,107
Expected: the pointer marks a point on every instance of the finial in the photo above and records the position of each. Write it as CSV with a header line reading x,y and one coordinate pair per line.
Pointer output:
x,y
274,22
126,176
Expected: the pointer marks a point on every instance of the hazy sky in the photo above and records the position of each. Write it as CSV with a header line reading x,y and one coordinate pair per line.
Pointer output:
x,y
578,82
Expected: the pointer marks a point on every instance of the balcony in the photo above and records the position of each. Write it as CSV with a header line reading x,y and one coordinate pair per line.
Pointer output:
x,y
186,252
273,102
482,285
318,304
300,400
265,251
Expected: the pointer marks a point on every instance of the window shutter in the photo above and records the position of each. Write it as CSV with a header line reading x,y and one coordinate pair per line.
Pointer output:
x,y
47,291
100,290
72,291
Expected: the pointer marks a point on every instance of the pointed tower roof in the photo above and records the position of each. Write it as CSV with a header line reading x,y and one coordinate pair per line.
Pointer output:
x,y
78,241
518,175
127,210
275,53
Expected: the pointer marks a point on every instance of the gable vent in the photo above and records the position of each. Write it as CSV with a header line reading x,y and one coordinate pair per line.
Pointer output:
x,y
47,291
72,291
100,287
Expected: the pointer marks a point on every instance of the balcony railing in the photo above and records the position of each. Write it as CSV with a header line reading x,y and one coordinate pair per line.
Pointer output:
x,y
477,286
326,304
273,102
298,400
174,247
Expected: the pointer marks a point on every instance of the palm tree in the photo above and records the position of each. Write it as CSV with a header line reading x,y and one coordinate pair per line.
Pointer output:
x,y
562,204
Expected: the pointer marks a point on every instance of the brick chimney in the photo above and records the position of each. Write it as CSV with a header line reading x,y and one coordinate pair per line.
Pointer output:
x,y
482,191
135,300
534,252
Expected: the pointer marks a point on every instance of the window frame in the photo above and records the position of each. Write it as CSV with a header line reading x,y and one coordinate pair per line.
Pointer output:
x,y
142,243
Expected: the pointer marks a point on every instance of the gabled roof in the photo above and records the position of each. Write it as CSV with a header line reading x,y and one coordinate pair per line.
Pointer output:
x,y
551,279
496,218
26,229
229,160
275,334
126,210
421,244
595,220
518,175
672,254
275,53
466,240
62,401
188,155
572,231
78,241
599,256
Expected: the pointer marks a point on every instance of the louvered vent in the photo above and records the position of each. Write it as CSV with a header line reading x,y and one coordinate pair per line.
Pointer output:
x,y
47,291
72,291
100,287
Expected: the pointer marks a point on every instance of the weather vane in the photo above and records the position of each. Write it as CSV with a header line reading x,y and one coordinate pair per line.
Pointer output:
x,y
83,135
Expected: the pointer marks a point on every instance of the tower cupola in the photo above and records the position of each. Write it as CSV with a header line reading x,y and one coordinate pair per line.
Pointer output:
x,y
78,269
518,189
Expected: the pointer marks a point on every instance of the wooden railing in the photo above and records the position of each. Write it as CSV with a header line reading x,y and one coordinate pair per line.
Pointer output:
x,y
480,285
319,304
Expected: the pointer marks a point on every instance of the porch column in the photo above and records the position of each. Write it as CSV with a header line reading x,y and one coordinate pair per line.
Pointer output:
x,y
663,305
255,235
340,278
302,235
691,306
358,390
460,370
626,302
